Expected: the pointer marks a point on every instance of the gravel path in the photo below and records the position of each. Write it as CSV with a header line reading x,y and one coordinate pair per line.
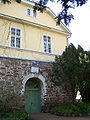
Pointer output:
x,y
48,116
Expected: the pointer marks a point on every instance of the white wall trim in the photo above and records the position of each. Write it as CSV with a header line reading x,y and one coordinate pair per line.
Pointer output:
x,y
32,23
6,47
13,57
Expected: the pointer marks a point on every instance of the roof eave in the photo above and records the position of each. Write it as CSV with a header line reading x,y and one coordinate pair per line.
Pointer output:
x,y
61,23
31,3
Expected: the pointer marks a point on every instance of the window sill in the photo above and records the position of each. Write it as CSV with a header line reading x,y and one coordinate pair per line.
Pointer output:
x,y
15,47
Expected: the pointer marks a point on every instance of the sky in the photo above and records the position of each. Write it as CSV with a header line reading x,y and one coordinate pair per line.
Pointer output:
x,y
80,26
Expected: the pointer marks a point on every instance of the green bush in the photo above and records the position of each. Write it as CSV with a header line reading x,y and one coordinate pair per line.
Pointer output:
x,y
18,115
4,107
7,104
67,110
83,108
71,110
88,105
7,112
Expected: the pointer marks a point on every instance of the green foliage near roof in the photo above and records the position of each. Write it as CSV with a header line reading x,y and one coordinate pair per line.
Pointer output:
x,y
64,13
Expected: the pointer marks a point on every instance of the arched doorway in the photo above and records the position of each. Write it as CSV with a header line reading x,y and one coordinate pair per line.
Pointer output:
x,y
32,96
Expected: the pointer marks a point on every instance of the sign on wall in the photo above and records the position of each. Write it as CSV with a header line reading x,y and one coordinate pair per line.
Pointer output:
x,y
35,69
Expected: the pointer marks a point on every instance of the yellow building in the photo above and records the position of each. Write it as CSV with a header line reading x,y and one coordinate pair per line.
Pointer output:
x,y
29,42
30,34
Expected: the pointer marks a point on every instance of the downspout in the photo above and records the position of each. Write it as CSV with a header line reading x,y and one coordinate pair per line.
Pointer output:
x,y
68,39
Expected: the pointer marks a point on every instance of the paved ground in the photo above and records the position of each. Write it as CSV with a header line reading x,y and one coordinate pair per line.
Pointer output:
x,y
48,116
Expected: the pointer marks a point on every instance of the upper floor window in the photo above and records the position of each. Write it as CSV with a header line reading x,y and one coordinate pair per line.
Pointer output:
x,y
31,12
15,37
47,44
28,12
34,13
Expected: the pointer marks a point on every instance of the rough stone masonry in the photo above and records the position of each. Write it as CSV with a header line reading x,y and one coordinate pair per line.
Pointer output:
x,y
14,73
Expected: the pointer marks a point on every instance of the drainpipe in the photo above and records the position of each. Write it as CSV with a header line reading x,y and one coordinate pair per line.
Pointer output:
x,y
68,40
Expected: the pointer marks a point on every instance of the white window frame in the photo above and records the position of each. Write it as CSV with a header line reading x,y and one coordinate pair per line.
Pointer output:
x,y
47,44
15,38
27,11
33,14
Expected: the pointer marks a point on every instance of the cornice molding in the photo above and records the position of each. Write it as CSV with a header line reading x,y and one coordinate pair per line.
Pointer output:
x,y
13,57
32,23
31,51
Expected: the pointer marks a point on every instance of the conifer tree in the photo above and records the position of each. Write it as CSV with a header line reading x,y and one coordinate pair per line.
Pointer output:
x,y
72,69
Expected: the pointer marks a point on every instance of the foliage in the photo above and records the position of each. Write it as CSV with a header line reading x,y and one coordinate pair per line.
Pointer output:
x,y
7,104
17,115
8,112
66,6
65,70
83,107
88,104
72,69
39,6
84,74
71,110
6,1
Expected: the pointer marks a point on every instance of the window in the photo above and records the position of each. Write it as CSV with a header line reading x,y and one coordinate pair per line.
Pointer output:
x,y
47,44
34,13
28,12
15,37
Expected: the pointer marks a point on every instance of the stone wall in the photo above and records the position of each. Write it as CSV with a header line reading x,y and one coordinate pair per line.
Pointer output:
x,y
13,74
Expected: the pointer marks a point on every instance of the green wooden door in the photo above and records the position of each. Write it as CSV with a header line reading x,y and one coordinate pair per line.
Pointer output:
x,y
32,98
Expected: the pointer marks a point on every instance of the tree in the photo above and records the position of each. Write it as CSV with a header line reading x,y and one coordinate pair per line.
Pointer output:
x,y
72,69
66,6
84,75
